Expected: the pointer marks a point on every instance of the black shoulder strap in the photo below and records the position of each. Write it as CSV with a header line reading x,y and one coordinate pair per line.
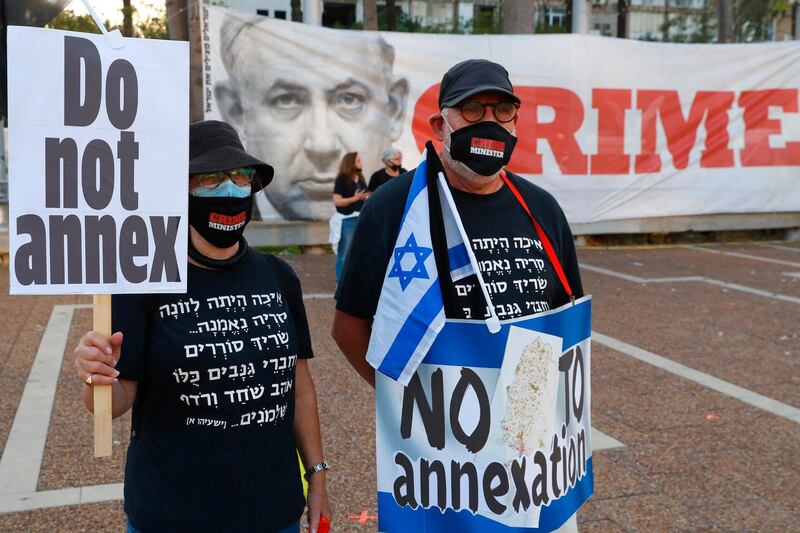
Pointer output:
x,y
438,239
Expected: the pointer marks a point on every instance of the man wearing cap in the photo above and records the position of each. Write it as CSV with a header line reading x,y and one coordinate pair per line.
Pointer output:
x,y
476,122
218,377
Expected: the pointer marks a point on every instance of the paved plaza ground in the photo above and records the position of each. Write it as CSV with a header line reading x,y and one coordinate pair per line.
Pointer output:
x,y
695,390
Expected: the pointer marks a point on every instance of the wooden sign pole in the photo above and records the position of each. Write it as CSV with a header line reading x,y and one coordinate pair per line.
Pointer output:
x,y
102,393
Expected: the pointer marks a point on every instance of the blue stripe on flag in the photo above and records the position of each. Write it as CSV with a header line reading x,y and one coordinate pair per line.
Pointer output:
x,y
393,518
418,184
457,255
456,345
412,331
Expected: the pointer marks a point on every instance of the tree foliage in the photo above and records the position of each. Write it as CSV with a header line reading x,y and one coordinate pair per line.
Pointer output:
x,y
68,20
753,21
151,27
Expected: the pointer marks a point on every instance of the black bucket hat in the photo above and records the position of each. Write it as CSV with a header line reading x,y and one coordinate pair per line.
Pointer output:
x,y
214,145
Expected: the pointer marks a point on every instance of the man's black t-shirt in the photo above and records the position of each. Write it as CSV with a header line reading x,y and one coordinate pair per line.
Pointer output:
x,y
519,277
347,188
381,177
212,441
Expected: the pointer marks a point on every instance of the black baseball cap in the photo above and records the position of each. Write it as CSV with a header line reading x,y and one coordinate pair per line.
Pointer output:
x,y
471,77
214,146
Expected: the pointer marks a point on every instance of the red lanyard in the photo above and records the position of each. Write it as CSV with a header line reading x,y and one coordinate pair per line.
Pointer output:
x,y
551,253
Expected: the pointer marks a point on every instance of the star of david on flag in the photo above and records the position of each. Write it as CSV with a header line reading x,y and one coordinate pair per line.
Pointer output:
x,y
410,310
419,253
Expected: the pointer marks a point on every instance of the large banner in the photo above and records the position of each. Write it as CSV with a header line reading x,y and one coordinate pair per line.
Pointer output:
x,y
98,159
615,129
493,432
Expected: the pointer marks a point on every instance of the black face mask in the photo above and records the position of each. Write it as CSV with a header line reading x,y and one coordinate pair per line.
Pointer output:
x,y
485,147
220,221
394,168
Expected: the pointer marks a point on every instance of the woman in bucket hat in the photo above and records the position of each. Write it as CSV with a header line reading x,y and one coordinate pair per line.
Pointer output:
x,y
218,377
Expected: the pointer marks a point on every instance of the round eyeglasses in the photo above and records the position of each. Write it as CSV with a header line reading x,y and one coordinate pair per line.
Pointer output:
x,y
475,111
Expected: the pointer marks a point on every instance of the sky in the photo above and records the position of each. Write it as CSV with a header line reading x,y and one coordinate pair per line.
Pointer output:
x,y
110,9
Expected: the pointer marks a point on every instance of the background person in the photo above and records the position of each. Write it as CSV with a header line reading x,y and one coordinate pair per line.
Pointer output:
x,y
303,111
393,166
349,194
218,412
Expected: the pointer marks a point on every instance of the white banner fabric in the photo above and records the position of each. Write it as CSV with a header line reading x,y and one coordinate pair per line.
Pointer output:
x,y
616,129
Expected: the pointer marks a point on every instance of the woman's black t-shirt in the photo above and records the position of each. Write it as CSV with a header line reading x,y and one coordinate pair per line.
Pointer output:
x,y
212,441
347,188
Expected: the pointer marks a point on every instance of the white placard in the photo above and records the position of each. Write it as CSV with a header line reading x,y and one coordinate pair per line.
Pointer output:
x,y
98,162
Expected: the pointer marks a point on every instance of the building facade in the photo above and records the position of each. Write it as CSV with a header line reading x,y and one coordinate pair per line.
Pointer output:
x,y
653,20
349,13
650,20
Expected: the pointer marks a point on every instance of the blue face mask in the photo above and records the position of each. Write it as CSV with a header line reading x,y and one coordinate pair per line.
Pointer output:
x,y
227,189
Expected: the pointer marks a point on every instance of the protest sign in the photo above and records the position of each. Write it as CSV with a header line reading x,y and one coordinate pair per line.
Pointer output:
x,y
492,434
98,159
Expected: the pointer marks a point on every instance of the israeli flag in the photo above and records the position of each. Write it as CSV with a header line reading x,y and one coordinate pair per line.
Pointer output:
x,y
410,310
